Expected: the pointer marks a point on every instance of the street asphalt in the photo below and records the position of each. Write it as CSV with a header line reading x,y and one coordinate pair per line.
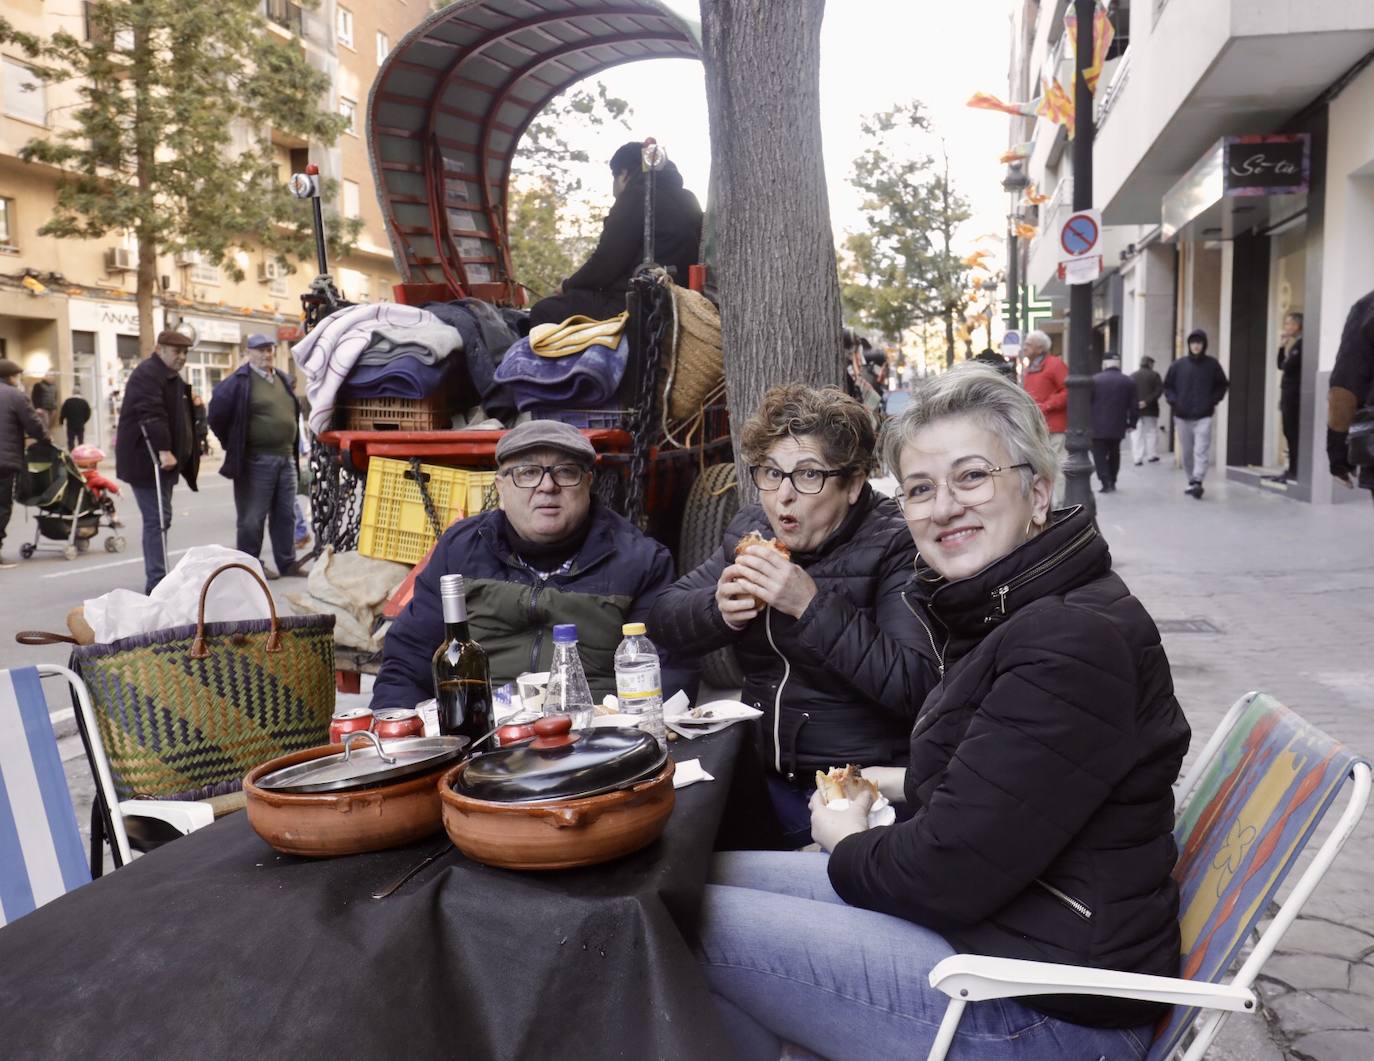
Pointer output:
x,y
1252,591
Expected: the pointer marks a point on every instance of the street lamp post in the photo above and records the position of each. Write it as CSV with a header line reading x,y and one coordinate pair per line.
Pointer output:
x,y
1078,468
1015,182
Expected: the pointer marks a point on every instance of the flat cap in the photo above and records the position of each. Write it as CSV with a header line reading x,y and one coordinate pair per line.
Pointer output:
x,y
168,337
9,368
545,434
258,341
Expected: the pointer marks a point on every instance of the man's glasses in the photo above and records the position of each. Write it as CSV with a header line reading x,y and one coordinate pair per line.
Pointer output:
x,y
803,480
971,485
528,476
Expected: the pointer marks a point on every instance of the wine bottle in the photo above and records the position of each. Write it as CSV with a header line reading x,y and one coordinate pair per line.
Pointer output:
x,y
462,680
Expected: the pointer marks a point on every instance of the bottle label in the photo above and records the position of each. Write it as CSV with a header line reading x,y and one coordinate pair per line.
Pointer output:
x,y
638,685
455,607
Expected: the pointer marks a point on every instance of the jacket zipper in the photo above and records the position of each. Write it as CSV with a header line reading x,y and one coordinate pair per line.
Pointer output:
x,y
1081,909
1048,564
777,699
939,653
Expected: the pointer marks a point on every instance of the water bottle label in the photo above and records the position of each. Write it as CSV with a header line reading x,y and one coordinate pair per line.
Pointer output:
x,y
638,686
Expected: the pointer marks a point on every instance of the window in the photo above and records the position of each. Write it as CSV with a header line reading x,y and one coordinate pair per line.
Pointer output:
x,y
383,48
8,235
349,109
352,202
24,94
343,25
126,346
356,285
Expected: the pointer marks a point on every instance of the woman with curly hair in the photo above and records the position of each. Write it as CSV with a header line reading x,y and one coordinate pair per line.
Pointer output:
x,y
832,655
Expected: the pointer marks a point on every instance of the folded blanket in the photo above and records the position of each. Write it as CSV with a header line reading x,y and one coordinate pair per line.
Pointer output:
x,y
429,343
575,334
406,376
586,380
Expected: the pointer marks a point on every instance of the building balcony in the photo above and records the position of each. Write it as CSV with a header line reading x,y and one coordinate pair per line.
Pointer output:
x,y
285,14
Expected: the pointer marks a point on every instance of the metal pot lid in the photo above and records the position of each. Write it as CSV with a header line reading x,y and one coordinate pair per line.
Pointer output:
x,y
360,767
560,764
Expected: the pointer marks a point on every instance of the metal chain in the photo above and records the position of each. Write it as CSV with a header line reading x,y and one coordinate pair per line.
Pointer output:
x,y
654,302
418,471
334,512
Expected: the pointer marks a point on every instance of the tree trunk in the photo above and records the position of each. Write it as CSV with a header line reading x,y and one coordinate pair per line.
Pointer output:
x,y
775,254
145,155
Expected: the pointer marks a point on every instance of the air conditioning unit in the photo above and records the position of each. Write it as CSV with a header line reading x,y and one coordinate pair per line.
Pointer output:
x,y
119,260
188,257
270,270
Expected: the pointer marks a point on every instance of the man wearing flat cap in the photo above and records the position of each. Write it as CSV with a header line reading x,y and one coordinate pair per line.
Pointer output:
x,y
256,417
17,419
156,444
552,553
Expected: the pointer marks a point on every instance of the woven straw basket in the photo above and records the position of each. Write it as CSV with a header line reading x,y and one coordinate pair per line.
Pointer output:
x,y
697,365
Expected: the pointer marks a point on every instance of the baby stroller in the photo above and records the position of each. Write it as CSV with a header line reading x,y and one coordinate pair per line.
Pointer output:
x,y
68,511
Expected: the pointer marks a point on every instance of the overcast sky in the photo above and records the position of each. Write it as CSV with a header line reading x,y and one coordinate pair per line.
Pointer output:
x,y
874,54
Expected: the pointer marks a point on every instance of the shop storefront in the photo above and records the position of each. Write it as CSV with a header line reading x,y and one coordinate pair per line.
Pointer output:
x,y
216,345
105,349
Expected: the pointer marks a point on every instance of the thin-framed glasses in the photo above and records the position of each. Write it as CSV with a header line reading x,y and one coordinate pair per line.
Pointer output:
x,y
529,476
971,485
803,480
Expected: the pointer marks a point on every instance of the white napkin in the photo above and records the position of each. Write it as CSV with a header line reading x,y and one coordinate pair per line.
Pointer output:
x,y
723,713
881,813
689,772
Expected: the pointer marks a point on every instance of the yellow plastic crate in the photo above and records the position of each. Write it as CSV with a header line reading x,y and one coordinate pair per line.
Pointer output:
x,y
394,525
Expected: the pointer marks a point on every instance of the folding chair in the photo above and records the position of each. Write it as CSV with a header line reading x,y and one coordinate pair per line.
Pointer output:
x,y
40,842
1250,804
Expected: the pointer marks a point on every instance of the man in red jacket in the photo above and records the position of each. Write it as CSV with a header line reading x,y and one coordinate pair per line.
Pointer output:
x,y
1046,380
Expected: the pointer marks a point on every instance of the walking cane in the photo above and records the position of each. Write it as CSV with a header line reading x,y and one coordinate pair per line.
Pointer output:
x,y
157,481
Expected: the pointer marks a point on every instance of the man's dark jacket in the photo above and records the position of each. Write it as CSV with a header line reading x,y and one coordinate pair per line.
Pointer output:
x,y
1040,772
1354,372
45,395
76,412
842,684
1148,389
613,580
1290,383
17,419
1113,405
228,416
157,406
1195,385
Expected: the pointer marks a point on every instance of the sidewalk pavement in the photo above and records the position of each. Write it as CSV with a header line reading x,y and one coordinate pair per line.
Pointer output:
x,y
1289,589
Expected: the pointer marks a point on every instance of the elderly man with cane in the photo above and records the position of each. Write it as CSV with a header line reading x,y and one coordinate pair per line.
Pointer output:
x,y
156,444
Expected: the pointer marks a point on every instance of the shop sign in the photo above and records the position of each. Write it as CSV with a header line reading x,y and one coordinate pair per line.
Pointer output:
x,y
1267,165
210,330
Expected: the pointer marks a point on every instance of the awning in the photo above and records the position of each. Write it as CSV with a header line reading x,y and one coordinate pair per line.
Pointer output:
x,y
452,100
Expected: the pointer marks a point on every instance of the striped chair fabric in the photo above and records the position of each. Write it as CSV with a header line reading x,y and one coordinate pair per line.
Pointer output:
x,y
41,853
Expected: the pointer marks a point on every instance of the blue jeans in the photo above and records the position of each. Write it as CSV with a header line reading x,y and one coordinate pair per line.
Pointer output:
x,y
154,558
265,492
789,960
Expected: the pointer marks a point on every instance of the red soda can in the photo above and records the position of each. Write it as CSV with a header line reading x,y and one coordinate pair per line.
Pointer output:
x,y
398,722
349,720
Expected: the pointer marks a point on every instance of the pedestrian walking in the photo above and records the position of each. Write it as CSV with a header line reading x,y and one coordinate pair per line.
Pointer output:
x,y
1113,411
1290,392
1148,390
45,397
155,444
1350,400
1194,386
200,423
17,419
1046,380
75,414
256,418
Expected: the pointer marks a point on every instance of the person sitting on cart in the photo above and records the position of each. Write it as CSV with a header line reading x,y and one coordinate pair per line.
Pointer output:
x,y
17,419
831,653
597,290
552,553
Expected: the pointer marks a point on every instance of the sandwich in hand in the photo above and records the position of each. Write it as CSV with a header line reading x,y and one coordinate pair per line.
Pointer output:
x,y
755,538
843,783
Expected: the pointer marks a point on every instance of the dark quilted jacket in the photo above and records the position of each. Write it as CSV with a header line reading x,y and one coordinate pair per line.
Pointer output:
x,y
17,419
1041,766
842,683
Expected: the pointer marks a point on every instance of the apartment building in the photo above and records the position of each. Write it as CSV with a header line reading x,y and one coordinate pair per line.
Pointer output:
x,y
81,320
1234,168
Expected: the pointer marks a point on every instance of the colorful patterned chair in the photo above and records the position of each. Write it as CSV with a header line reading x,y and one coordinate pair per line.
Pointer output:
x,y
1250,804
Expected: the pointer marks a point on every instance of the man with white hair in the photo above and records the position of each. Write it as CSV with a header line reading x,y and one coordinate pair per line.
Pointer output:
x,y
1046,380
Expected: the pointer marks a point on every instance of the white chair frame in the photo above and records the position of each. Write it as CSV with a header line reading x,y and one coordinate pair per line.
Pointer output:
x,y
969,978
184,816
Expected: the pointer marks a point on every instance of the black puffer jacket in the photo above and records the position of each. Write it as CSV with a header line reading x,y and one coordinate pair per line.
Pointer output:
x,y
17,419
1041,766
842,683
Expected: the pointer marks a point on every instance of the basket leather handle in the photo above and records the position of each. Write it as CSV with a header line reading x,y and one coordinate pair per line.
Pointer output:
x,y
199,650
43,637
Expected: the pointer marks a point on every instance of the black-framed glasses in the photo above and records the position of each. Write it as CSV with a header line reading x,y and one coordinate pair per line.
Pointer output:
x,y
803,480
971,485
529,476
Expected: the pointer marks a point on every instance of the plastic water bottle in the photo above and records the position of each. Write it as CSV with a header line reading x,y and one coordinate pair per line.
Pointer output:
x,y
639,681
568,692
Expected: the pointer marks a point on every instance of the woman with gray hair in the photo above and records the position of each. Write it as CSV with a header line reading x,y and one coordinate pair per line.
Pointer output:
x,y
1038,780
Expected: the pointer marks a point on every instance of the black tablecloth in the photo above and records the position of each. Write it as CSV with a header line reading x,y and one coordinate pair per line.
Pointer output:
x,y
215,946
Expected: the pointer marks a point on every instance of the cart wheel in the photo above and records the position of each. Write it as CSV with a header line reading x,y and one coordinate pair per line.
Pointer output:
x,y
114,543
711,505
26,550
83,545
69,552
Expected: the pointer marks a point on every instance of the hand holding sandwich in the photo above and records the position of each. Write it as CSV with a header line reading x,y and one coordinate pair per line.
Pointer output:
x,y
762,575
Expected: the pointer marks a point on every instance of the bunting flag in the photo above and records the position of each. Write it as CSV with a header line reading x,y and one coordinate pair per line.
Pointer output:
x,y
983,101
1056,105
1026,230
976,283
1033,197
975,260
1102,40
1017,153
